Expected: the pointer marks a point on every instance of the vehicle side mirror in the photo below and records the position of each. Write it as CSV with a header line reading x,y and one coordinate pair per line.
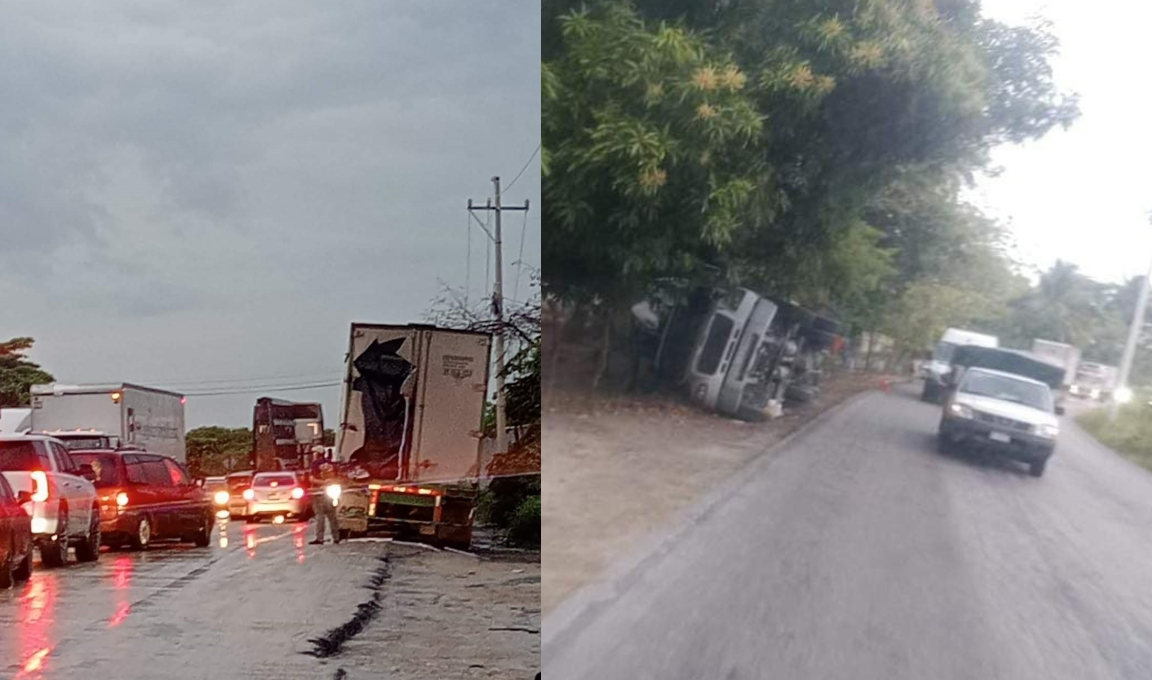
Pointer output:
x,y
23,497
87,472
199,481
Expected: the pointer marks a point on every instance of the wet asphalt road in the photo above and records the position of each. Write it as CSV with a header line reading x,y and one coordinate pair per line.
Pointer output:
x,y
243,607
857,551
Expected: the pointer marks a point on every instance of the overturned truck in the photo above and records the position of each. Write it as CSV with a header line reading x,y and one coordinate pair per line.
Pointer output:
x,y
735,352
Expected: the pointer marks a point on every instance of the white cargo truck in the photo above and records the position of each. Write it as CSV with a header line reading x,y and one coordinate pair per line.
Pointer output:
x,y
935,371
111,416
413,412
1061,354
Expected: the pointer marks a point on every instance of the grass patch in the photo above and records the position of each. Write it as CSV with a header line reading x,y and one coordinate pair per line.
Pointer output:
x,y
1130,434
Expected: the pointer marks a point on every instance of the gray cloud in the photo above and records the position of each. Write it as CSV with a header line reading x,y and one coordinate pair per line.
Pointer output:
x,y
236,182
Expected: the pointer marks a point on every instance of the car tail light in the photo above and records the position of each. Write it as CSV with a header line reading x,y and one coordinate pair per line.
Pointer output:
x,y
40,494
298,493
249,494
121,499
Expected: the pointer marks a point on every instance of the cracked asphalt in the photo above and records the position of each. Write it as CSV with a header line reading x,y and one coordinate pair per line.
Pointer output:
x,y
857,551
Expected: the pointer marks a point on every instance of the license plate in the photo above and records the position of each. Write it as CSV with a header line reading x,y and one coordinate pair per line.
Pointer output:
x,y
275,497
1000,437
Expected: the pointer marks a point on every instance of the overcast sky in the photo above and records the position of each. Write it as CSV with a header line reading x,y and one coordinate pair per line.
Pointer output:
x,y
205,194
1083,195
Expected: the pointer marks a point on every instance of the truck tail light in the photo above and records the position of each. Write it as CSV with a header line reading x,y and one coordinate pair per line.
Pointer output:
x,y
121,499
298,493
40,493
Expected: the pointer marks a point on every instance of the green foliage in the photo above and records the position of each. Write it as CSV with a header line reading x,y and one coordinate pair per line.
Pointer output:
x,y
217,450
1064,306
522,392
507,504
812,150
650,135
18,374
926,308
1130,434
524,530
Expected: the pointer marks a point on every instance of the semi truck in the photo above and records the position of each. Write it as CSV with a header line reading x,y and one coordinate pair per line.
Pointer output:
x,y
411,431
110,416
1094,381
284,434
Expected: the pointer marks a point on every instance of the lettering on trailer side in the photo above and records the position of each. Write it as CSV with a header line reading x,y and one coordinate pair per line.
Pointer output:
x,y
458,367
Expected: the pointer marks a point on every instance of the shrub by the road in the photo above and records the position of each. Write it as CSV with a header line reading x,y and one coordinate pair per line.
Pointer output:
x,y
524,529
1130,434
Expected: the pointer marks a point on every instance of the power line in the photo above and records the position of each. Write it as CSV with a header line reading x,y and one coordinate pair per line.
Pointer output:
x,y
267,388
242,382
524,168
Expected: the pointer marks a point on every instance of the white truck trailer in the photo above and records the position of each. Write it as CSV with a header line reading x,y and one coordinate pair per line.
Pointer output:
x,y
1061,354
111,416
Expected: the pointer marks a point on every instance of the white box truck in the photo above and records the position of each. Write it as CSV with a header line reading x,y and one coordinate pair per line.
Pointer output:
x,y
1061,354
413,412
111,416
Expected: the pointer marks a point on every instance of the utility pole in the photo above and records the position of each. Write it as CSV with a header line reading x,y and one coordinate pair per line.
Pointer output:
x,y
498,310
1130,346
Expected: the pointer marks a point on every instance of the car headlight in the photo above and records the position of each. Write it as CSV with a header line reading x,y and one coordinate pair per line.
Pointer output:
x,y
221,497
1048,431
960,411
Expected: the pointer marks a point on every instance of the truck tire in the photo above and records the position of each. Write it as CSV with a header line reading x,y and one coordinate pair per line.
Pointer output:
x,y
929,393
8,568
54,554
204,536
88,550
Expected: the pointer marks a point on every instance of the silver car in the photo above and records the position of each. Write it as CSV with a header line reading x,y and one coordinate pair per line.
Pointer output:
x,y
277,494
64,505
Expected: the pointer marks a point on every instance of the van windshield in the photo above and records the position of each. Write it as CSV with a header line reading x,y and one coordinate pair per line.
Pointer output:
x,y
944,352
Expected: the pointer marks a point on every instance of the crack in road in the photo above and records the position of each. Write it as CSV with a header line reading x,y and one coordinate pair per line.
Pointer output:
x,y
332,642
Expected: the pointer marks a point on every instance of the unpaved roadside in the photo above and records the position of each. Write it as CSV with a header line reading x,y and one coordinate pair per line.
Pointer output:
x,y
450,616
618,469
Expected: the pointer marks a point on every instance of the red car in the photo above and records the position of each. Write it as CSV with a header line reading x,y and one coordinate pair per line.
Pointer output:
x,y
15,535
145,497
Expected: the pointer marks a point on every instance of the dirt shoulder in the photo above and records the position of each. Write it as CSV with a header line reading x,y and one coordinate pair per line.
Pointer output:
x,y
450,616
618,469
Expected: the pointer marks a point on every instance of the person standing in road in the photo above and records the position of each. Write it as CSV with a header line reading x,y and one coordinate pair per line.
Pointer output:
x,y
322,505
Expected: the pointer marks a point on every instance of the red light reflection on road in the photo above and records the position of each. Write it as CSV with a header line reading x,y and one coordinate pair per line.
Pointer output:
x,y
298,535
122,612
123,572
37,616
250,540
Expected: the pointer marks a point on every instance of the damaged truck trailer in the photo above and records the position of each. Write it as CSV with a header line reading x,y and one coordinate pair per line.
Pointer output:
x,y
413,411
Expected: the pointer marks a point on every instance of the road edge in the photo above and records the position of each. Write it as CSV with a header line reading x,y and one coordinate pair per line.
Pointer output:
x,y
585,604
